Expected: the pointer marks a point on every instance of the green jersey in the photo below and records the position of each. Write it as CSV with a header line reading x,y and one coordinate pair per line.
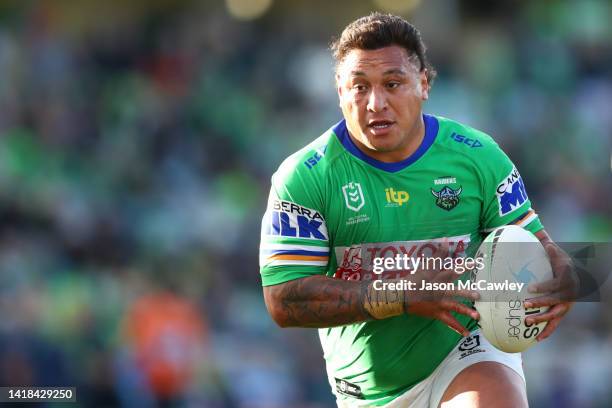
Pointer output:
x,y
333,210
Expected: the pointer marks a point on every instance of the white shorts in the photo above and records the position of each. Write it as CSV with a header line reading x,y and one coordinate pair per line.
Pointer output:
x,y
428,393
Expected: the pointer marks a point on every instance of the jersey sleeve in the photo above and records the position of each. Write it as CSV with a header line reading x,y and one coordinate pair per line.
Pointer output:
x,y
294,237
505,196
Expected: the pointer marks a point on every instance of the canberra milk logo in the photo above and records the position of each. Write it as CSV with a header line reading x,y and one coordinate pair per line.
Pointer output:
x,y
288,219
353,196
511,193
396,198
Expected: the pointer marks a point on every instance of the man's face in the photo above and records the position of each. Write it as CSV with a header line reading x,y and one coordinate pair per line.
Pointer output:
x,y
381,92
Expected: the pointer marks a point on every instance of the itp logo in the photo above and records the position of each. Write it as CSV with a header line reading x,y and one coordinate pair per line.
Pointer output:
x,y
396,197
353,196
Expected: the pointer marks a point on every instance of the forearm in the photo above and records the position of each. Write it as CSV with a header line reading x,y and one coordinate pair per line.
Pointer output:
x,y
317,301
563,268
321,301
544,238
552,249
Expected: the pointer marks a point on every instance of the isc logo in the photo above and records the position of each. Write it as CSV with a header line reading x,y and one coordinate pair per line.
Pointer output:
x,y
397,197
313,160
465,140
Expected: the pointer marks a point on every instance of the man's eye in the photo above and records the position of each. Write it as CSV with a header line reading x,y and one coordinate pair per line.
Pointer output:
x,y
359,87
392,85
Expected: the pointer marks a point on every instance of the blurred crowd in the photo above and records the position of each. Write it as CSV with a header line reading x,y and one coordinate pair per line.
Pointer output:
x,y
136,145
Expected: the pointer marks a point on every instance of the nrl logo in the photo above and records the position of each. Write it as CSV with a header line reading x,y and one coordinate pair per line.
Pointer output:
x,y
447,198
353,196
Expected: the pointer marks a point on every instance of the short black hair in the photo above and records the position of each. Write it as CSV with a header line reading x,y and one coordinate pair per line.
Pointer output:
x,y
379,30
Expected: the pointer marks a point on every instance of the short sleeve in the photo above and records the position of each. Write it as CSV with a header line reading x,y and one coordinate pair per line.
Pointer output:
x,y
505,196
294,237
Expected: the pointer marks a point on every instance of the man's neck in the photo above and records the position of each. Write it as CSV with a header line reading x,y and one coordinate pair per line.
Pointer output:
x,y
411,144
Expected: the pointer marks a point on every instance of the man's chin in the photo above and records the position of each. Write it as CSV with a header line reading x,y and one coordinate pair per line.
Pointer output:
x,y
383,146
378,144
383,149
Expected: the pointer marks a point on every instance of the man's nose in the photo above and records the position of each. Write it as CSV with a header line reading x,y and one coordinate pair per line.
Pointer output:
x,y
377,100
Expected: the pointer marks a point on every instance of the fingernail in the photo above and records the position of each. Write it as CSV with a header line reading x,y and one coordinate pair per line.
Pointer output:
x,y
529,321
528,305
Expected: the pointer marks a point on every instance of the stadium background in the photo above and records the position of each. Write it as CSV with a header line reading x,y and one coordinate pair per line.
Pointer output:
x,y
136,144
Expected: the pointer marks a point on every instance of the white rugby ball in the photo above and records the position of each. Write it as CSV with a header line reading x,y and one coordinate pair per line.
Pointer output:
x,y
511,255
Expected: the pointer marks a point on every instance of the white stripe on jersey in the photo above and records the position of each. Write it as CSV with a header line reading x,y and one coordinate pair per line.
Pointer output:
x,y
292,262
522,223
292,247
527,220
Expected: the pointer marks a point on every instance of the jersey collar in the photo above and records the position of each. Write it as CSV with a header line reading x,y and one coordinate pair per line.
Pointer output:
x,y
431,131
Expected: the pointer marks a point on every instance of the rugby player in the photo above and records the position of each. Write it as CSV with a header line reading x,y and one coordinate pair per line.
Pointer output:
x,y
386,180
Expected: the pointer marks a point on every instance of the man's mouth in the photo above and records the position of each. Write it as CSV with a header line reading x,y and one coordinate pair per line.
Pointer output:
x,y
380,124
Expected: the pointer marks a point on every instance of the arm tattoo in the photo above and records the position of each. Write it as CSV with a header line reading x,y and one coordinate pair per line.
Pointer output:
x,y
320,301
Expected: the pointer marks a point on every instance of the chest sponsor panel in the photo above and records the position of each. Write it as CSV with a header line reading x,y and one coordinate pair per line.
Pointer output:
x,y
356,262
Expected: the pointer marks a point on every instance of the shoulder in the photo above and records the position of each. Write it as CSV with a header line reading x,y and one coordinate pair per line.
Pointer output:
x,y
312,162
473,144
463,138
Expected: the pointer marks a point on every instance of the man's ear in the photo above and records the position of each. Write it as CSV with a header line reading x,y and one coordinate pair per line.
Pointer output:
x,y
424,85
338,87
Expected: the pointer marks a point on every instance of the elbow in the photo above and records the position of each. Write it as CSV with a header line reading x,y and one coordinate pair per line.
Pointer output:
x,y
277,314
281,320
274,304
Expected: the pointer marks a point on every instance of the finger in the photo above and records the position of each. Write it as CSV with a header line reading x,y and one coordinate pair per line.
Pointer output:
x,y
571,285
440,253
549,329
548,300
443,248
444,275
463,293
557,311
435,271
561,268
451,322
567,296
460,308
552,285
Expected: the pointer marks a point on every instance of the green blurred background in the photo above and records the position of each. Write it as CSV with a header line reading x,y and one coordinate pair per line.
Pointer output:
x,y
137,140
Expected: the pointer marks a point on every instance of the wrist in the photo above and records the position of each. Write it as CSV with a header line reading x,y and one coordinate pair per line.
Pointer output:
x,y
384,302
